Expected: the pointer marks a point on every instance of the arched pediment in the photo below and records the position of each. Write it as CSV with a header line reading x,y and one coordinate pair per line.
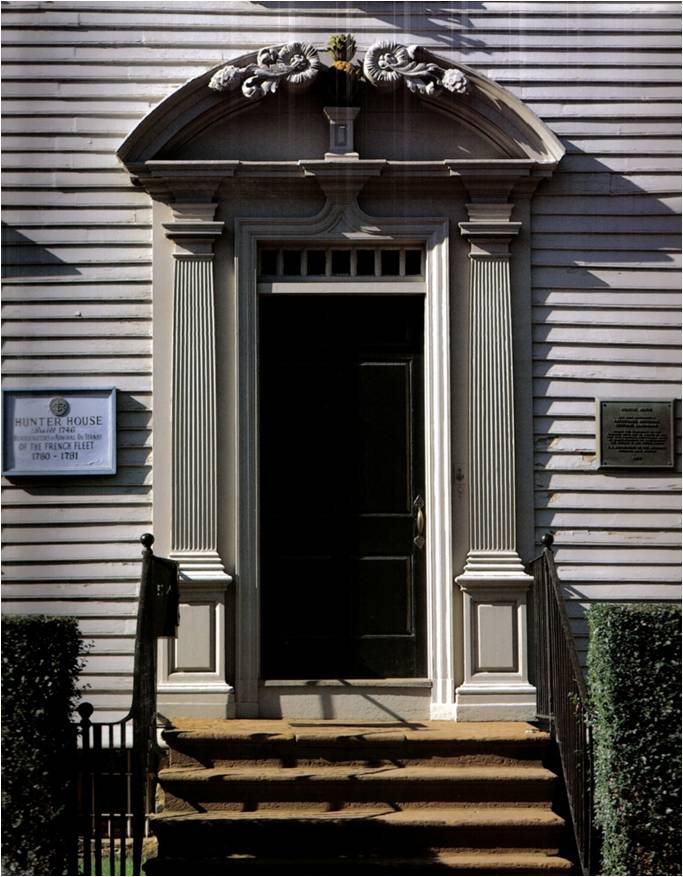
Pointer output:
x,y
410,125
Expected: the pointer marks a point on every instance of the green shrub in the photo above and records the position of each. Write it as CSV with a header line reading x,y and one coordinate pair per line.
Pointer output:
x,y
634,660
40,663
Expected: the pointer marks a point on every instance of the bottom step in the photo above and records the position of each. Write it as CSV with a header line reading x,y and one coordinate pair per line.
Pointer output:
x,y
439,863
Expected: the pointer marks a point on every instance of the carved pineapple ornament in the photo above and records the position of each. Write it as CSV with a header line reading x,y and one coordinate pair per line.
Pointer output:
x,y
343,47
344,77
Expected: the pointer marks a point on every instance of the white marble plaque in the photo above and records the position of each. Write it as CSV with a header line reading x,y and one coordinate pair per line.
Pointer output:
x,y
59,432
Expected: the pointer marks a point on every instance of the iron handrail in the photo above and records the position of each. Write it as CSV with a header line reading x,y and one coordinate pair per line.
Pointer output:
x,y
562,702
114,783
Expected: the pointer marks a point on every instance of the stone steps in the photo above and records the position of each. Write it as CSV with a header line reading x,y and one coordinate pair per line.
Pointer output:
x,y
342,786
411,831
278,743
467,862
274,797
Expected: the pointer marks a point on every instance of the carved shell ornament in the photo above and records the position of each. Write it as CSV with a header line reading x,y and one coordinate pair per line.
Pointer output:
x,y
387,64
294,64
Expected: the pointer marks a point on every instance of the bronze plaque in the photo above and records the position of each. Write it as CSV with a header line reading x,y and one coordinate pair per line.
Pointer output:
x,y
636,434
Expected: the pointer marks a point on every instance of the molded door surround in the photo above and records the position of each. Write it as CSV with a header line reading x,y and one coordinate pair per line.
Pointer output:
x,y
224,181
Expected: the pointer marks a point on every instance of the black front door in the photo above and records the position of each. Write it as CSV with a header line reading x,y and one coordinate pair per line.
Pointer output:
x,y
341,486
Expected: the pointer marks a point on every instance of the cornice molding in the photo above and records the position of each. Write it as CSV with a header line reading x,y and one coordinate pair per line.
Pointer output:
x,y
485,180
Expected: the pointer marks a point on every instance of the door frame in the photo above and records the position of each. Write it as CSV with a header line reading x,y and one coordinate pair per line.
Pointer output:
x,y
342,221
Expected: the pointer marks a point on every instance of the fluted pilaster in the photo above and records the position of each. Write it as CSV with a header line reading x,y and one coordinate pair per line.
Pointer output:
x,y
194,407
493,583
492,464
194,470
192,676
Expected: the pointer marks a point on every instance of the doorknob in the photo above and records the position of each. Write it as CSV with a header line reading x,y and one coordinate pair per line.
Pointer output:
x,y
419,510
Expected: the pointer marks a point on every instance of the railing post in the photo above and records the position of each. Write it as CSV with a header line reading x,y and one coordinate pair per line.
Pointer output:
x,y
144,700
157,616
547,541
85,781
563,690
72,831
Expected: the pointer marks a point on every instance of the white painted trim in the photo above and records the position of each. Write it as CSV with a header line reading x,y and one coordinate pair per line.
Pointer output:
x,y
380,286
193,465
341,700
341,220
194,687
179,687
347,683
494,581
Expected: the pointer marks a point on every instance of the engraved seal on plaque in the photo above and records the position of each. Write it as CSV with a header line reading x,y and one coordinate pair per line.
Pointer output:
x,y
59,406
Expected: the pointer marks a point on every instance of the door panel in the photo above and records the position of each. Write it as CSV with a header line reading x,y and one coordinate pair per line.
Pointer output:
x,y
341,460
383,424
383,597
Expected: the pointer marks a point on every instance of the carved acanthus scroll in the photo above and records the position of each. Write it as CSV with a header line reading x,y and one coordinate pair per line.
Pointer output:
x,y
294,64
387,64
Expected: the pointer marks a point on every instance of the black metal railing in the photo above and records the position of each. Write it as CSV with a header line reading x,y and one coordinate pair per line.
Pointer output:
x,y
116,762
562,701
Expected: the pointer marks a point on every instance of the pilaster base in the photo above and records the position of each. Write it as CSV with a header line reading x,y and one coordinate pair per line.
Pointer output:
x,y
176,700
495,703
201,567
444,712
496,685
192,677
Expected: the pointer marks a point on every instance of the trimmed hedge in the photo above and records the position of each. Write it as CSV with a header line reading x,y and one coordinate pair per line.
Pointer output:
x,y
634,660
40,664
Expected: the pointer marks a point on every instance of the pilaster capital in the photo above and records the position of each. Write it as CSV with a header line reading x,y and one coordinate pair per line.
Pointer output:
x,y
193,228
489,229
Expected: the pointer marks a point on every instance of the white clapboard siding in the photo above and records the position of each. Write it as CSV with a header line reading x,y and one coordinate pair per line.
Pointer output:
x,y
668,538
78,234
25,571
99,533
606,312
30,517
72,291
122,591
78,271
114,645
605,236
612,298
616,500
603,481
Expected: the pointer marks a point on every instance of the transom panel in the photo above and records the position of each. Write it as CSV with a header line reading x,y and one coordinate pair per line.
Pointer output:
x,y
318,262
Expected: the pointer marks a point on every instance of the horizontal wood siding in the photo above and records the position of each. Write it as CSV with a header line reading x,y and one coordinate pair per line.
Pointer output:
x,y
605,266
